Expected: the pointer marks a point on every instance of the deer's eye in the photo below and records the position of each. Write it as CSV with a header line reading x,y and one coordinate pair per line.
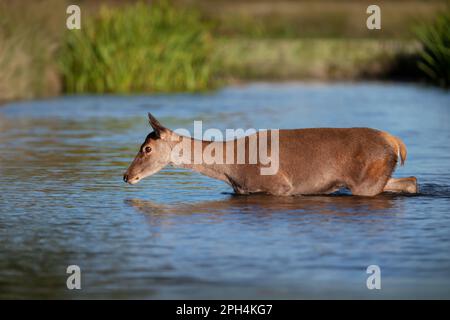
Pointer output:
x,y
148,149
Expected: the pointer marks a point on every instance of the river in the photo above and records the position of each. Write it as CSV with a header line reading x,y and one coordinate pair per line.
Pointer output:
x,y
178,234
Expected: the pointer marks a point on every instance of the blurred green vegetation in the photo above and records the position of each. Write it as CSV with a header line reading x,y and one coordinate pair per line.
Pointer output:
x,y
194,45
29,38
343,19
435,56
138,48
319,59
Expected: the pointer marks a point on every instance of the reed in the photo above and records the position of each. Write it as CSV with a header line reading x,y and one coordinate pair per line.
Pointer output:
x,y
138,48
435,53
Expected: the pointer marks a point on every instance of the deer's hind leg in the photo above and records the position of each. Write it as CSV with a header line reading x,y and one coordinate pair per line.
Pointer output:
x,y
368,188
373,178
406,185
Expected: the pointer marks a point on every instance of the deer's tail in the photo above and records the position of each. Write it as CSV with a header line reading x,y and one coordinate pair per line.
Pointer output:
x,y
397,144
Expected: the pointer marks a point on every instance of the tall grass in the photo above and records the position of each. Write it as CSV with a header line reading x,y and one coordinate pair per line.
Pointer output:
x,y
138,48
435,56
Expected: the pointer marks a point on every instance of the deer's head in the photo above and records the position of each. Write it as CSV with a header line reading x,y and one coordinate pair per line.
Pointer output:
x,y
153,155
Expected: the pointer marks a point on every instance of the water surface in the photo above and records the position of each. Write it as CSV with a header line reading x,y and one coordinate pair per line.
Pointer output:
x,y
182,235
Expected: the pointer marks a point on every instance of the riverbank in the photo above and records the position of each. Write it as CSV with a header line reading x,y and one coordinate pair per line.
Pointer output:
x,y
317,59
241,60
39,58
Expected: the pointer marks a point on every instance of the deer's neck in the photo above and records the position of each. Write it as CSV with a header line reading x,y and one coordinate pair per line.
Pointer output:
x,y
193,158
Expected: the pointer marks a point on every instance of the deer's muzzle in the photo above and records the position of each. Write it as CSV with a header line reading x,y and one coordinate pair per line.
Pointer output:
x,y
130,180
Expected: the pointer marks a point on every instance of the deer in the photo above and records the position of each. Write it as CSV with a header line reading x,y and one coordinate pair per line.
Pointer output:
x,y
311,161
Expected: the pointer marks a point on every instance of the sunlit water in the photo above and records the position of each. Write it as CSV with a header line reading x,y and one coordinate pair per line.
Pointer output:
x,y
182,235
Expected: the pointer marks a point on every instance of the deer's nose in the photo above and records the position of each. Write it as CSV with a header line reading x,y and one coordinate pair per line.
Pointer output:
x,y
125,177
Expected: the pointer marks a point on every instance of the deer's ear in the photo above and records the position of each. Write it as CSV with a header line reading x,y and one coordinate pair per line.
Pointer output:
x,y
159,129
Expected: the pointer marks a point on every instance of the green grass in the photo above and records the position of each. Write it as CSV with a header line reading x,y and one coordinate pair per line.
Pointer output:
x,y
138,48
321,59
435,55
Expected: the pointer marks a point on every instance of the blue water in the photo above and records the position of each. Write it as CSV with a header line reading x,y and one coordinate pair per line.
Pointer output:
x,y
182,235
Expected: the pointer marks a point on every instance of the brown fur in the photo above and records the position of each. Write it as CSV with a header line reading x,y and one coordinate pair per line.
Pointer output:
x,y
323,160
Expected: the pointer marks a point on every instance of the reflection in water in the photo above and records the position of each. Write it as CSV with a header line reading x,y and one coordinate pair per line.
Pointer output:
x,y
63,202
265,205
